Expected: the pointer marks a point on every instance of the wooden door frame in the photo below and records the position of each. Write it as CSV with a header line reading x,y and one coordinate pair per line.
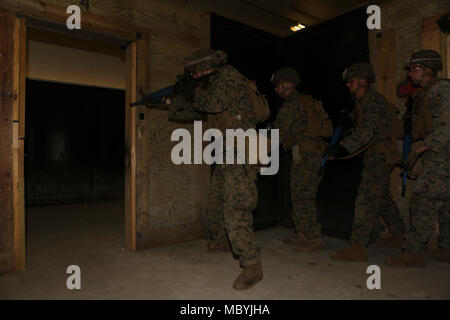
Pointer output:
x,y
433,38
19,72
101,28
130,149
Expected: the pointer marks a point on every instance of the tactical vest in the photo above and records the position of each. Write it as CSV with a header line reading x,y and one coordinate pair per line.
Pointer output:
x,y
241,117
384,143
319,123
234,119
261,110
422,122
319,126
399,112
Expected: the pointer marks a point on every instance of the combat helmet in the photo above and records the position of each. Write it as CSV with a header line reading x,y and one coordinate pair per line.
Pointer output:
x,y
286,75
205,59
361,70
427,58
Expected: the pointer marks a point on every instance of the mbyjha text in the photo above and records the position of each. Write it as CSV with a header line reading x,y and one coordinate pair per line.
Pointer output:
x,y
235,309
256,151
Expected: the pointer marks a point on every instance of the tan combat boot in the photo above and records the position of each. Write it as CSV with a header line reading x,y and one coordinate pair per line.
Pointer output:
x,y
249,277
218,246
295,239
394,241
310,245
406,259
354,252
440,254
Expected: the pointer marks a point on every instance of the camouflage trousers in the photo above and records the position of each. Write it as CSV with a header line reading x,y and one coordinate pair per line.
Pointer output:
x,y
233,196
430,199
374,199
304,185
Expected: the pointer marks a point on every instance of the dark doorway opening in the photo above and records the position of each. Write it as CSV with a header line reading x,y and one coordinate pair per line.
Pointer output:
x,y
253,53
75,143
320,54
74,171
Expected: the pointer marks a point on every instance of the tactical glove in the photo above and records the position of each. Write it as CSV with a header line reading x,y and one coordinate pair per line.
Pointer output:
x,y
336,151
412,157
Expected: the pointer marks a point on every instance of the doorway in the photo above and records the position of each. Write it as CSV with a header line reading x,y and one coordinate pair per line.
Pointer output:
x,y
312,52
74,150
53,68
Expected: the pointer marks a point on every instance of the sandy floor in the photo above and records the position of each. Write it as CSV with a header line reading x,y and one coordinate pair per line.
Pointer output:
x,y
91,236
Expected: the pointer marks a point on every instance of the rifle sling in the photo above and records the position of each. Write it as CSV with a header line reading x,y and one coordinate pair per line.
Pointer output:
x,y
358,152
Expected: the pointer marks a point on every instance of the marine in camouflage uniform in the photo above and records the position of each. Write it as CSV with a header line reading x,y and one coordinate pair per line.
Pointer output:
x,y
224,97
292,121
372,129
431,193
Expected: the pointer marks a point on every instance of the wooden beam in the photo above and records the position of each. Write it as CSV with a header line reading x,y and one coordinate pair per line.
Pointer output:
x,y
433,38
386,63
444,55
16,69
205,30
22,77
447,60
7,103
57,14
19,38
143,53
431,34
143,138
130,150
205,42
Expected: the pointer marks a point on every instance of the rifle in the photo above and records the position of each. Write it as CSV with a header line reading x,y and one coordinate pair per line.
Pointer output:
x,y
407,140
406,89
185,87
155,97
334,139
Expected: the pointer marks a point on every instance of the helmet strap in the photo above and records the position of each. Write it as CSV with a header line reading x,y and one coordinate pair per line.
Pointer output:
x,y
285,89
361,85
362,88
427,76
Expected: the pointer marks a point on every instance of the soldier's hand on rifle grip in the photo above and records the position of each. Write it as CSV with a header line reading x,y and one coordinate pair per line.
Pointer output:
x,y
416,150
336,151
421,149
412,158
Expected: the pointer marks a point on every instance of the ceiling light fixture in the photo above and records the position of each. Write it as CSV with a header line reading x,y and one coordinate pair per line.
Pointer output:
x,y
297,27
